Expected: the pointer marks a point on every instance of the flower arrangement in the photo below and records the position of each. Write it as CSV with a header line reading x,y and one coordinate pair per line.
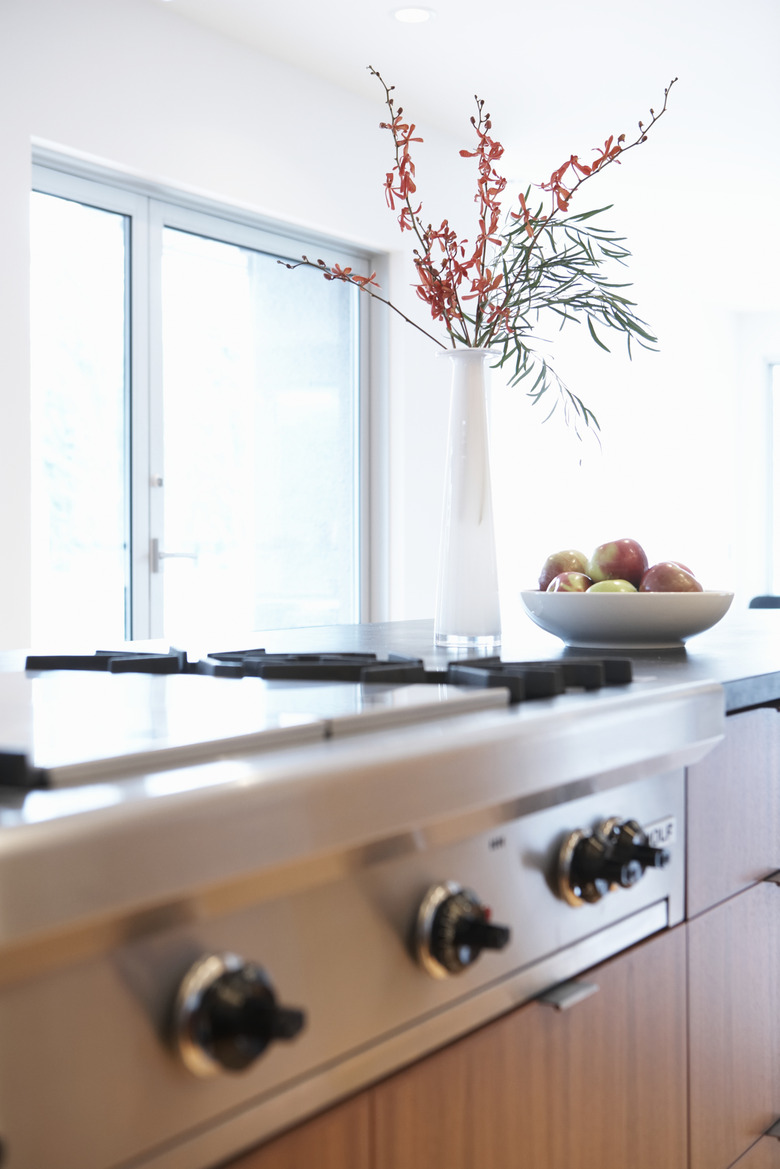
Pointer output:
x,y
542,259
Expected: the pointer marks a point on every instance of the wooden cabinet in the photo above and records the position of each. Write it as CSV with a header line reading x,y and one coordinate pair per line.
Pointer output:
x,y
734,810
337,1139
733,1021
599,1086
765,1154
734,945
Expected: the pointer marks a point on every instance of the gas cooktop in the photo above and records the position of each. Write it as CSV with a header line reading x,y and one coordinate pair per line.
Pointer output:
x,y
387,848
73,719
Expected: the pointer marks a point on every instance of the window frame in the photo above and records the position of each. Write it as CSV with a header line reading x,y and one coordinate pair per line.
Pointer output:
x,y
772,374
150,209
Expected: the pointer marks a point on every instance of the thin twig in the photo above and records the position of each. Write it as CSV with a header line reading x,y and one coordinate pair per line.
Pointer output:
x,y
321,266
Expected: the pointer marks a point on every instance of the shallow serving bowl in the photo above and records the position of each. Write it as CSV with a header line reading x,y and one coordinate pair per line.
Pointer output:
x,y
649,620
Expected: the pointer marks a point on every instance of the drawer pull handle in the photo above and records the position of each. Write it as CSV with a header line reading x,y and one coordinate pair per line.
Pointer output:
x,y
568,994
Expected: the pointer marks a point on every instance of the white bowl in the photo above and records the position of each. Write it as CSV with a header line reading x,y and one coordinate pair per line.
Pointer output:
x,y
639,620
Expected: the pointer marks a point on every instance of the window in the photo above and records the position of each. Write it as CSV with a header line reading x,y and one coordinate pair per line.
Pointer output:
x,y
197,412
80,513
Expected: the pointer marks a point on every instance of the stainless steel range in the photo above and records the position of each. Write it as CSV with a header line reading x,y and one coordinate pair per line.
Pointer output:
x,y
230,896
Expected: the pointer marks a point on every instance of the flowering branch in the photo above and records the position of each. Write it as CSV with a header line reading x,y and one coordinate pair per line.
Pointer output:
x,y
492,293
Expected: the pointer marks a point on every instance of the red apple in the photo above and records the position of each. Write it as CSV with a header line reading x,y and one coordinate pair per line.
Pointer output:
x,y
569,582
669,577
618,560
569,560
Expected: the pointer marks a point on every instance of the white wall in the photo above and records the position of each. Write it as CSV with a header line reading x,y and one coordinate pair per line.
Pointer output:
x,y
682,464
131,84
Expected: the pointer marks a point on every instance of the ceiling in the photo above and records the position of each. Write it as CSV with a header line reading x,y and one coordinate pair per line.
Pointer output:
x,y
558,76
537,65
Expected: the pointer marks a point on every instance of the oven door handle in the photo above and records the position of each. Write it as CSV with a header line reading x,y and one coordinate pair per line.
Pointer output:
x,y
567,994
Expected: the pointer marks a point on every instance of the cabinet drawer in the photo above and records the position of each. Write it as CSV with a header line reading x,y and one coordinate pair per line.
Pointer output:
x,y
599,1085
734,810
734,1026
337,1139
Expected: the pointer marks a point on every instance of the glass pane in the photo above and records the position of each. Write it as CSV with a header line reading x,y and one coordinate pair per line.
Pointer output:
x,y
78,335
260,440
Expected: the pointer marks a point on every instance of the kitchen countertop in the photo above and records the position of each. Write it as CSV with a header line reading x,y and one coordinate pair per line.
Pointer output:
x,y
741,653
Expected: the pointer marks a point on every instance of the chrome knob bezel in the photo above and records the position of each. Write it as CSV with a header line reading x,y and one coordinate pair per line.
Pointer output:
x,y
198,980
426,915
566,889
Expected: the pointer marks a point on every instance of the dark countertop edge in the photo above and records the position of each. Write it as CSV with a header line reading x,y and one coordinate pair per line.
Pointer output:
x,y
743,693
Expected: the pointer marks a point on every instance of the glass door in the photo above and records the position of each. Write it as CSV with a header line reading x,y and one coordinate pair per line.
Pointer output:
x,y
196,422
79,433
256,518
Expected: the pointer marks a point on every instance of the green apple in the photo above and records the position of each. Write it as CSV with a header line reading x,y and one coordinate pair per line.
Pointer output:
x,y
569,560
612,586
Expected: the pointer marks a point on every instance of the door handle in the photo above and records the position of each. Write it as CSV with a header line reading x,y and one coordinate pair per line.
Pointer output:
x,y
157,555
567,994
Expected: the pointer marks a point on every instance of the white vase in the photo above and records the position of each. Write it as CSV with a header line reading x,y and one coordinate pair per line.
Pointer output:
x,y
467,605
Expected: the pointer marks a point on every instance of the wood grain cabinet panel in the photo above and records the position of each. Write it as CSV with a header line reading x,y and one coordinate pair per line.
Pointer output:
x,y
734,810
337,1139
765,1154
734,1025
599,1086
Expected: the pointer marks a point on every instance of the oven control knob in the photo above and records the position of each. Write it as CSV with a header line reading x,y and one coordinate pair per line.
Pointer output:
x,y
614,856
226,1014
452,930
630,841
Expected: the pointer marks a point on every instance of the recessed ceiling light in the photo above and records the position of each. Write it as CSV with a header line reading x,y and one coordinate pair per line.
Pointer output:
x,y
413,15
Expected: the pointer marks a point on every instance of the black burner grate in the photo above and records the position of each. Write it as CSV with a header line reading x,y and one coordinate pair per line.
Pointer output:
x,y
523,680
113,662
316,667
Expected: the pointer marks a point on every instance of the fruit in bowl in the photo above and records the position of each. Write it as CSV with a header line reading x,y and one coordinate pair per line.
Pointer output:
x,y
618,560
568,560
673,607
617,566
669,577
612,586
569,582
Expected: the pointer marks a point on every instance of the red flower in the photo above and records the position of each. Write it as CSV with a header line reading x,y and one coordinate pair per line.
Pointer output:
x,y
609,152
336,272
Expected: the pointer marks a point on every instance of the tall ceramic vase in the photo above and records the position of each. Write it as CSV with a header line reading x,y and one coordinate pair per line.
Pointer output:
x,y
467,607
